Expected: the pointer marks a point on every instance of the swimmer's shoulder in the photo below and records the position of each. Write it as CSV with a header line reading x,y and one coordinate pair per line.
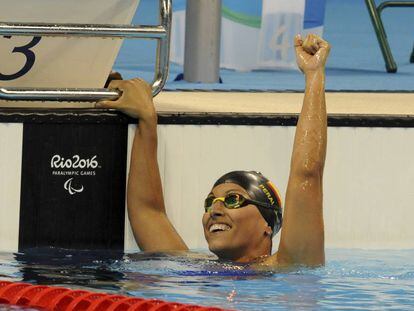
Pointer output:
x,y
269,263
279,263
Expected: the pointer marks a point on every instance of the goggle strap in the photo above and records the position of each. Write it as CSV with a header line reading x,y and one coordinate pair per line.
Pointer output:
x,y
265,205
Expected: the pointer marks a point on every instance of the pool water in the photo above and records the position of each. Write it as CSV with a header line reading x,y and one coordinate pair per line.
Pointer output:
x,y
351,279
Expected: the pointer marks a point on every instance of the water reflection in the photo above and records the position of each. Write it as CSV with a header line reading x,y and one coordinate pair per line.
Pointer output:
x,y
68,267
302,291
13,308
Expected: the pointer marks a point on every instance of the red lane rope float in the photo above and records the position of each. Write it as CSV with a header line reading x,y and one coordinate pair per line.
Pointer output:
x,y
53,298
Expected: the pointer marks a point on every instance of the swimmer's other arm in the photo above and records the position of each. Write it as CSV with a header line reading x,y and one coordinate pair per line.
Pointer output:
x,y
302,237
152,229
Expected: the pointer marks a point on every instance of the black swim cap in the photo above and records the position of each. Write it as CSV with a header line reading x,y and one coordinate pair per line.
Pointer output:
x,y
260,189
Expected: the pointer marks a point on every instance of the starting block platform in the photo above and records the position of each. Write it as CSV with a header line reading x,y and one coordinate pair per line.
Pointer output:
x,y
61,62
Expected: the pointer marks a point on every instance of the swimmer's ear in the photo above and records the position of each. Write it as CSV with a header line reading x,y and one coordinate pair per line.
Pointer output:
x,y
114,75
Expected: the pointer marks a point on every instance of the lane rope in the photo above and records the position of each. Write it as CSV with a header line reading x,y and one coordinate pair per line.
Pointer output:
x,y
54,298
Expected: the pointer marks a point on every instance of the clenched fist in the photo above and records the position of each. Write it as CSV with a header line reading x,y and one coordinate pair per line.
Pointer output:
x,y
311,53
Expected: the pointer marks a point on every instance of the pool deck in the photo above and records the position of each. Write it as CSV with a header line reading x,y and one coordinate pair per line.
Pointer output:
x,y
263,103
363,104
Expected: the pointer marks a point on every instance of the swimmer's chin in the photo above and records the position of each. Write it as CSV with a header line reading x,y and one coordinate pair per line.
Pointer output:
x,y
223,253
227,253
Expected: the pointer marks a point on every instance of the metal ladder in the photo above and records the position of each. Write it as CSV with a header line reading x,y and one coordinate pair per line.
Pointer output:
x,y
375,14
161,33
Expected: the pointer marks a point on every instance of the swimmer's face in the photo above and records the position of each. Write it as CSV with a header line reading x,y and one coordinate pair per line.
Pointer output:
x,y
237,234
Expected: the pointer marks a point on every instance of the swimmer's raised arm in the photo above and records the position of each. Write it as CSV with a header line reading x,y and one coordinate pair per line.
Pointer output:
x,y
152,229
302,237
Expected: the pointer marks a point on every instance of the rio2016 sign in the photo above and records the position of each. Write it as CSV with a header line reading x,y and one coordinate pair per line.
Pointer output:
x,y
76,162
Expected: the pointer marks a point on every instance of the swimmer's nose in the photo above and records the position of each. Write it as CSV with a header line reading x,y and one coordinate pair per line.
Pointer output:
x,y
217,209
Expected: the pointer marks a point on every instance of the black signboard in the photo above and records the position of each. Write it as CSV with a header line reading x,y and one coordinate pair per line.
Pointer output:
x,y
73,186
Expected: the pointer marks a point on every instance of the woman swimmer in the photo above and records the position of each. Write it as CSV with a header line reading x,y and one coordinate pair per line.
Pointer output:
x,y
243,209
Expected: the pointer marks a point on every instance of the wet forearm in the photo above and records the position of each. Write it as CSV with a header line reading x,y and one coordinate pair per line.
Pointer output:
x,y
311,135
144,184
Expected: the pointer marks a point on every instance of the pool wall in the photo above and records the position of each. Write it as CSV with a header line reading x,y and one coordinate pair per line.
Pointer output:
x,y
367,183
368,177
368,172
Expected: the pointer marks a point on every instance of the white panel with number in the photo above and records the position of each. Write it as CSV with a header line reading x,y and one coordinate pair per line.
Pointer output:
x,y
60,62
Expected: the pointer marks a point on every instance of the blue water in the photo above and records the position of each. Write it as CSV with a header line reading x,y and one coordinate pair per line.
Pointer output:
x,y
351,279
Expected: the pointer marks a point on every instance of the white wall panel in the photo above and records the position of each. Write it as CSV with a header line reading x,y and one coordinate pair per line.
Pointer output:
x,y
368,188
369,176
11,136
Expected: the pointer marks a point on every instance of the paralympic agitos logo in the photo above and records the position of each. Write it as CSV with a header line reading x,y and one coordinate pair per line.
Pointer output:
x,y
70,188
73,167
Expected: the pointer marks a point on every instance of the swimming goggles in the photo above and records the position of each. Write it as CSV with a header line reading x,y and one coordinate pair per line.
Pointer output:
x,y
233,201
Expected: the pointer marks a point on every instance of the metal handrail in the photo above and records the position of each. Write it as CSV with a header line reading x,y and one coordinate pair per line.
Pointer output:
x,y
66,95
82,30
376,19
160,32
395,4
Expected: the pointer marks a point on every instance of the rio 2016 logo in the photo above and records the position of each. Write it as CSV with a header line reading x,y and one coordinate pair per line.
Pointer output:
x,y
76,162
73,166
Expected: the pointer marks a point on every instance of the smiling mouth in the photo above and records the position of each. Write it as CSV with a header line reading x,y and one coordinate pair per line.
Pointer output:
x,y
219,228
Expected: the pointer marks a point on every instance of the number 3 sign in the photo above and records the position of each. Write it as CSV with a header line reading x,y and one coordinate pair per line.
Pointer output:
x,y
30,59
60,62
